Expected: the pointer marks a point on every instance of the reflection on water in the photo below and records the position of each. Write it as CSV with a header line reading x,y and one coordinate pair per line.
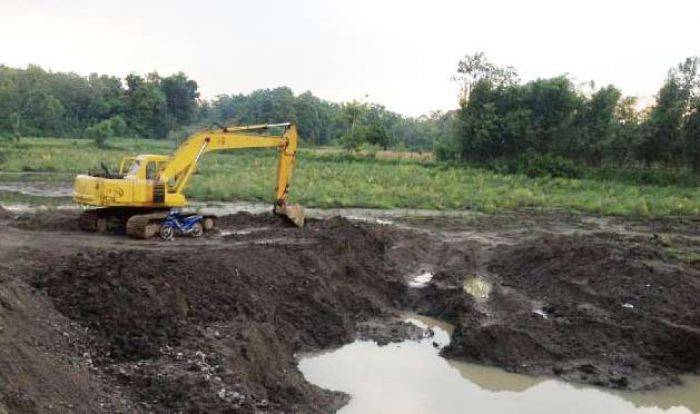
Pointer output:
x,y
410,377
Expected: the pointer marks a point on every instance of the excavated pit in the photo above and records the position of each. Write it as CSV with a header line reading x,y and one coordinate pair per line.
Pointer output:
x,y
214,325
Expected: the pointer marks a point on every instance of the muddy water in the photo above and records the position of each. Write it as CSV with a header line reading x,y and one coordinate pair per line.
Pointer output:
x,y
411,377
44,190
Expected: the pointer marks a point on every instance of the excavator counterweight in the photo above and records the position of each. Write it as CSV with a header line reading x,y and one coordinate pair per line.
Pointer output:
x,y
147,186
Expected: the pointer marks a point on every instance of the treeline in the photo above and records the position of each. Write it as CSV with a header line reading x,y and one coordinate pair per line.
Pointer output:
x,y
36,102
502,118
548,122
351,124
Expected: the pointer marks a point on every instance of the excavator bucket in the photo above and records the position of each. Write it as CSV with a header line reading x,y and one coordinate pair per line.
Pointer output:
x,y
294,212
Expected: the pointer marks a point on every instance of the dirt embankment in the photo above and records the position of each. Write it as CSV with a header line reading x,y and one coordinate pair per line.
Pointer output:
x,y
595,309
213,325
107,324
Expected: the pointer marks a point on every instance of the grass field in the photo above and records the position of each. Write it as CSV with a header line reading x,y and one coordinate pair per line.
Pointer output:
x,y
332,179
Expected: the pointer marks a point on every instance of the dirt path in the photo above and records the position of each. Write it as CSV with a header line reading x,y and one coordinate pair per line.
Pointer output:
x,y
92,323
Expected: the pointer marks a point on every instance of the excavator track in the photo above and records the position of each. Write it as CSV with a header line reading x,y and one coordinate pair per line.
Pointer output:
x,y
136,223
99,220
88,220
145,226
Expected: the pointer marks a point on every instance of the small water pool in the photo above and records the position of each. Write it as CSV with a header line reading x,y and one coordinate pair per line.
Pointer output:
x,y
410,377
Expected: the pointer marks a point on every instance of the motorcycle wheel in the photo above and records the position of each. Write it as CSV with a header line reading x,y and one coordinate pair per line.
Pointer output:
x,y
197,230
167,232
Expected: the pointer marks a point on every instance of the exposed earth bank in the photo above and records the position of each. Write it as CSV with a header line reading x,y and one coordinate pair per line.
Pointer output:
x,y
102,323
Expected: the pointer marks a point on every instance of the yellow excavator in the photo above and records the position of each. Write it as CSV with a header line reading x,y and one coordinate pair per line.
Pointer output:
x,y
139,197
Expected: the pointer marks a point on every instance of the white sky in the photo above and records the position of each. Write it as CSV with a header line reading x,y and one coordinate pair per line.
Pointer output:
x,y
401,53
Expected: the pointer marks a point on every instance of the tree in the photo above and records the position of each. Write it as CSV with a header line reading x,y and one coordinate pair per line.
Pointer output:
x,y
48,114
375,130
663,133
118,125
472,69
307,109
691,132
107,97
181,97
16,122
100,132
626,137
146,106
594,128
352,113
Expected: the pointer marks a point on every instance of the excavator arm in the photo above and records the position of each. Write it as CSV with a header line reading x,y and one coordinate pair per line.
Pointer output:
x,y
179,169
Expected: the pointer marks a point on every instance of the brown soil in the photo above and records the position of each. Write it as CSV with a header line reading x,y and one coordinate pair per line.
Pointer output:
x,y
609,312
92,323
5,214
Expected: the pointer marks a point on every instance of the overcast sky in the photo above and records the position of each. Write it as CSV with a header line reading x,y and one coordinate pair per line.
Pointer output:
x,y
400,53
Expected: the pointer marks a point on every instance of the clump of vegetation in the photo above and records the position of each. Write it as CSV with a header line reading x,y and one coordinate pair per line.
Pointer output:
x,y
57,104
550,127
537,166
100,132
103,130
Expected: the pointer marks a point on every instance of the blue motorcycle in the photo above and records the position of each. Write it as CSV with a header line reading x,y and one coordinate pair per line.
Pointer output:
x,y
176,224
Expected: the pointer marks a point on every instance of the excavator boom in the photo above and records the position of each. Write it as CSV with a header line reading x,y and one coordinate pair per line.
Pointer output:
x,y
185,159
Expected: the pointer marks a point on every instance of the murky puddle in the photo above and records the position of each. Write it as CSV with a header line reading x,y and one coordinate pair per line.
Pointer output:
x,y
50,190
411,377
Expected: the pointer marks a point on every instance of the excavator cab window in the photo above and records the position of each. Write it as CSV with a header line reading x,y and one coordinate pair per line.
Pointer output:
x,y
151,170
133,167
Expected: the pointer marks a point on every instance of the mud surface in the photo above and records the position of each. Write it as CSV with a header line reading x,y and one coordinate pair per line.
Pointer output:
x,y
102,323
5,214
592,309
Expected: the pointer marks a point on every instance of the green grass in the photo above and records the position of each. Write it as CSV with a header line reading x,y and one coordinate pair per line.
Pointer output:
x,y
337,180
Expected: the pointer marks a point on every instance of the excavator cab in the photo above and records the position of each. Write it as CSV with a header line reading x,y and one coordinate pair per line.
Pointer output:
x,y
144,167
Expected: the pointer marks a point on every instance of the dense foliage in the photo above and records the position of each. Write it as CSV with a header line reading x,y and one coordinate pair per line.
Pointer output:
x,y
549,121
351,124
34,102
542,127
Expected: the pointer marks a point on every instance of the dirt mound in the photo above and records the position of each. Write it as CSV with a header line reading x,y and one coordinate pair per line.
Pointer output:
x,y
209,330
248,220
49,220
5,214
45,364
591,309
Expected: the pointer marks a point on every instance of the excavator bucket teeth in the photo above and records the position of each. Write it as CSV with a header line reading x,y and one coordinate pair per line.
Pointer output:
x,y
294,212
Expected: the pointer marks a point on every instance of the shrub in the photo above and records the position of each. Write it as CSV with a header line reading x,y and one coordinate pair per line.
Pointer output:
x,y
551,166
100,132
537,166
369,150
118,125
